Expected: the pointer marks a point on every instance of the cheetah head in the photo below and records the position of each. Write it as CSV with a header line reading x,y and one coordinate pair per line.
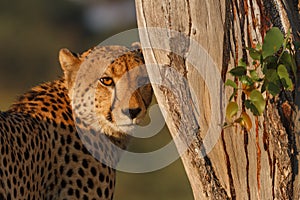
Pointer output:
x,y
108,83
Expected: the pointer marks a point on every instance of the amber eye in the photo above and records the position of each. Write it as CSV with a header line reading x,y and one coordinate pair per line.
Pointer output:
x,y
107,81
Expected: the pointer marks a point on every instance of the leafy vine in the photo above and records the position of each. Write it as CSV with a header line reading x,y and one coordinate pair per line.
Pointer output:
x,y
272,70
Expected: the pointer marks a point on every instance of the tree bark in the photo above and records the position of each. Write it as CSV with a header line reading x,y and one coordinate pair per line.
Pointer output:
x,y
262,163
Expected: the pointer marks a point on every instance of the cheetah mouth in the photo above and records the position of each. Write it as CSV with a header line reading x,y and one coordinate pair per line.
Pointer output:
x,y
126,128
133,122
125,125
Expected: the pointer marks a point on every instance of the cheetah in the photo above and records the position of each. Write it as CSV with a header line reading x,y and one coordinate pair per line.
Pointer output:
x,y
63,139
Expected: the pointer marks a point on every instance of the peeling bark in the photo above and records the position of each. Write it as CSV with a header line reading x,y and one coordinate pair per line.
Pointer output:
x,y
260,164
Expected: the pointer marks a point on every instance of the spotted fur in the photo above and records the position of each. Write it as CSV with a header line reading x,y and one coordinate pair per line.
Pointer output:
x,y
42,154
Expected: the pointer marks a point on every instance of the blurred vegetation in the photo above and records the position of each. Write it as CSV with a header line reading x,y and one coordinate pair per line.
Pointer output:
x,y
31,34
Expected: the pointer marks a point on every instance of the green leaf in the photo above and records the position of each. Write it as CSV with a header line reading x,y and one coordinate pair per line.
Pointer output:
x,y
258,47
264,86
246,80
273,88
272,42
231,83
242,63
258,101
247,103
284,77
271,76
271,61
231,110
233,94
288,60
251,106
238,71
254,53
254,76
297,45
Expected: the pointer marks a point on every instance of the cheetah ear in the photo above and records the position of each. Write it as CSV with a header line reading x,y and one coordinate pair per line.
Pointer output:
x,y
136,45
70,64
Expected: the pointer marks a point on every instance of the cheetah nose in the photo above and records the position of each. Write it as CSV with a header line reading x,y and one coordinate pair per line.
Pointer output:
x,y
132,112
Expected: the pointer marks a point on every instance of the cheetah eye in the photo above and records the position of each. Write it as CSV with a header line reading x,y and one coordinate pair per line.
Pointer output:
x,y
107,81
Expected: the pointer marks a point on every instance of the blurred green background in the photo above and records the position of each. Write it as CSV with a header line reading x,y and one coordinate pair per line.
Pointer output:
x,y
31,34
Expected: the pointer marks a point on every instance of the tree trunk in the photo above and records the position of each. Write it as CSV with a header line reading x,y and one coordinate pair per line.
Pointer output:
x,y
189,46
